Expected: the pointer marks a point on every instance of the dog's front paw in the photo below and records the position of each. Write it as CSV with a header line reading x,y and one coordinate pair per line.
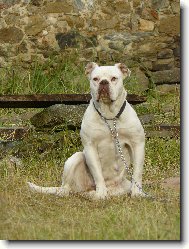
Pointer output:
x,y
101,193
136,191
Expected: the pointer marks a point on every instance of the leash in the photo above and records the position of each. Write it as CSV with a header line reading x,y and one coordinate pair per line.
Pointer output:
x,y
115,137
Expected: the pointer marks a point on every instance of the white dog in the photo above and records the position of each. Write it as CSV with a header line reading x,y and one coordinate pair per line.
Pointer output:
x,y
113,138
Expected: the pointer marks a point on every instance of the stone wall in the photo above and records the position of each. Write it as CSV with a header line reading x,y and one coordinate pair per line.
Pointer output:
x,y
144,34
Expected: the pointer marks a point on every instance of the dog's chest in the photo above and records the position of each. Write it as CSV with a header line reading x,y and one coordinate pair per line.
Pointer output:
x,y
109,155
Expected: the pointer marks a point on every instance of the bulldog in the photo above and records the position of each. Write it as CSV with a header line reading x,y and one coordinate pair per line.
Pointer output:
x,y
113,140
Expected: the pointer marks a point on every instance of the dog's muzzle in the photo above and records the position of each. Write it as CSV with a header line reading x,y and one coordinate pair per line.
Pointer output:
x,y
103,90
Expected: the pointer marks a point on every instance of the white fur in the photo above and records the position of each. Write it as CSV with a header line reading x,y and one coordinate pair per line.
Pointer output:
x,y
98,171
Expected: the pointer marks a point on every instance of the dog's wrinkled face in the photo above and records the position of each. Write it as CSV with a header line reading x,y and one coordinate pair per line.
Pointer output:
x,y
106,82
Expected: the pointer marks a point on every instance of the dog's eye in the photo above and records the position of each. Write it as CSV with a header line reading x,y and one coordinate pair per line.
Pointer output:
x,y
95,79
113,79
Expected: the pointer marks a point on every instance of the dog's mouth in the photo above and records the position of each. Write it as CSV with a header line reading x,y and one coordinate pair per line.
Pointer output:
x,y
103,94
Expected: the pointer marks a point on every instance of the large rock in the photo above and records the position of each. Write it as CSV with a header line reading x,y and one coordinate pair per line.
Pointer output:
x,y
136,3
108,22
59,7
75,21
159,4
70,39
12,18
175,7
11,35
165,54
166,88
140,77
35,25
170,25
122,7
177,51
146,25
60,114
146,118
147,45
163,64
166,76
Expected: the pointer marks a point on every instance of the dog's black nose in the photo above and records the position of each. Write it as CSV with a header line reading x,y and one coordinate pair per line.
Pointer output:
x,y
104,82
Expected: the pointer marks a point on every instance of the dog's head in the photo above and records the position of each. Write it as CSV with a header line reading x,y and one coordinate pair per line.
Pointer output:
x,y
106,82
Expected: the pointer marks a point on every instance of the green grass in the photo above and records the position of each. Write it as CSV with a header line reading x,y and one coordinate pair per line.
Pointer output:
x,y
29,216
51,77
62,75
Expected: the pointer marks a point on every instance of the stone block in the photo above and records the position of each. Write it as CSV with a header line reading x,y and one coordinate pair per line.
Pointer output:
x,y
107,8
146,25
2,23
163,64
3,51
36,24
160,4
146,118
141,79
149,14
67,40
75,21
170,25
12,18
147,48
11,35
116,45
36,2
136,3
59,7
22,48
166,76
165,53
166,88
175,7
177,62
25,57
108,22
123,7
176,52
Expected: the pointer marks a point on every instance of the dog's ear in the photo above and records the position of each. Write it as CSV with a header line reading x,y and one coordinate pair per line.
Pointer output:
x,y
124,69
89,68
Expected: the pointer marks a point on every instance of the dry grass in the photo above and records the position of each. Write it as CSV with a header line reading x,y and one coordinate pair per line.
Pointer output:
x,y
28,216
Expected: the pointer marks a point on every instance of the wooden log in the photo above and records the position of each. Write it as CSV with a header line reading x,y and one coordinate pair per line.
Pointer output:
x,y
46,100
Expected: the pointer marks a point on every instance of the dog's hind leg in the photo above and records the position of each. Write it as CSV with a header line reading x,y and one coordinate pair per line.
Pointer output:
x,y
76,178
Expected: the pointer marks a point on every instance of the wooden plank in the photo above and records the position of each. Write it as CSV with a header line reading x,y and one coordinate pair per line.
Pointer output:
x,y
46,100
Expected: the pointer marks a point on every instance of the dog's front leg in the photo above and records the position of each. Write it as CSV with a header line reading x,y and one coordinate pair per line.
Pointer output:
x,y
138,162
95,168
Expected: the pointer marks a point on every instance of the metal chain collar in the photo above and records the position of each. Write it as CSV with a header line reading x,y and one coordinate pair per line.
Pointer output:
x,y
115,135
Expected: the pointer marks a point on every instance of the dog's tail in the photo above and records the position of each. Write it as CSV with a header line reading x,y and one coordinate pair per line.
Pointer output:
x,y
60,191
